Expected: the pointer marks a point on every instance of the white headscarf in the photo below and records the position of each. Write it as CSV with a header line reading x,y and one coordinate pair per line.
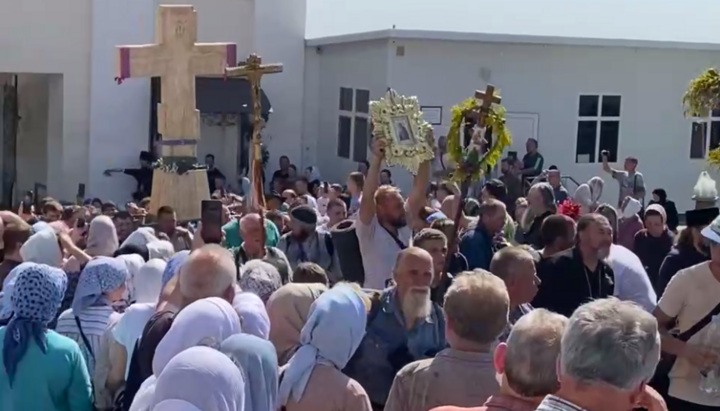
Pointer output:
x,y
145,290
632,207
142,236
148,283
42,248
102,237
334,329
205,322
133,262
252,312
200,378
162,249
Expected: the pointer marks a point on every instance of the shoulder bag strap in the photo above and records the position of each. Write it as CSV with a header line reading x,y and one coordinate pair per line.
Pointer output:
x,y
394,237
687,335
84,337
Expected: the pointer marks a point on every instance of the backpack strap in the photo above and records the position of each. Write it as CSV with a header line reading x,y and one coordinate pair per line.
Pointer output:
x,y
329,245
84,337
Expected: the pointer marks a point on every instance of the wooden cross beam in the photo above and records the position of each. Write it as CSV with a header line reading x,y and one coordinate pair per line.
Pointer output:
x,y
488,97
176,58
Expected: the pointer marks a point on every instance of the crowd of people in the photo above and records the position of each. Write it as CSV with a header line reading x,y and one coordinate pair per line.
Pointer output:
x,y
355,297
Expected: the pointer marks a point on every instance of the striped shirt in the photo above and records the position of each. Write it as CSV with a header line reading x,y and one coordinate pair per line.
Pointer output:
x,y
94,322
553,403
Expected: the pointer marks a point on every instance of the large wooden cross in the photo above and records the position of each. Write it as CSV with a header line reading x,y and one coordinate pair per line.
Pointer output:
x,y
488,97
253,70
176,58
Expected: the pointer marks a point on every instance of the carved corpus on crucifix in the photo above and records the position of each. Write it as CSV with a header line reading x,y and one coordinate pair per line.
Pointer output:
x,y
176,58
253,70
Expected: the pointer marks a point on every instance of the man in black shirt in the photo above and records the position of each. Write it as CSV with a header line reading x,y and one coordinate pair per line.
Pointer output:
x,y
532,161
142,175
578,275
282,174
213,174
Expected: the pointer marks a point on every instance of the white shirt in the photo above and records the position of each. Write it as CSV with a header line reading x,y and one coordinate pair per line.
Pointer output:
x,y
379,251
130,327
631,281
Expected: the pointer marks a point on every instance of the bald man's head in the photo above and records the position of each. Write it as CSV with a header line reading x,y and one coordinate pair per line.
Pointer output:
x,y
252,232
413,268
250,221
413,277
208,271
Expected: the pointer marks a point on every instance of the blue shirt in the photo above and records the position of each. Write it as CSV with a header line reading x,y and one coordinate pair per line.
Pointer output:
x,y
388,346
477,246
57,380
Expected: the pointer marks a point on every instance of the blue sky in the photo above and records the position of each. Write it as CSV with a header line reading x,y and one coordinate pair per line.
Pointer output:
x,y
695,21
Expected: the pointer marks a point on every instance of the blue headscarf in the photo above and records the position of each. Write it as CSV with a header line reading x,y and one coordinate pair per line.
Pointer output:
x,y
173,267
100,275
333,331
257,359
35,299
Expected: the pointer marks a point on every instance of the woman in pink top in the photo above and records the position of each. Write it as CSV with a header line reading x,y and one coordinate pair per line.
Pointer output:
x,y
313,380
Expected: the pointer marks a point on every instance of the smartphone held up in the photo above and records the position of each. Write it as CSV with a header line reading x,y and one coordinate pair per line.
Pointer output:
x,y
211,219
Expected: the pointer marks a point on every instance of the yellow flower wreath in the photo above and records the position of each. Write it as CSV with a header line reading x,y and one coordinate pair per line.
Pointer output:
x,y
496,120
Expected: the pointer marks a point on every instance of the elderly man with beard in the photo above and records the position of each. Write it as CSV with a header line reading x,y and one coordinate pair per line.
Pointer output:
x,y
306,243
476,312
403,326
381,228
579,274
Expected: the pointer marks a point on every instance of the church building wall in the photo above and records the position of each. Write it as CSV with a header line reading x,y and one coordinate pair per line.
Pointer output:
x,y
49,37
546,81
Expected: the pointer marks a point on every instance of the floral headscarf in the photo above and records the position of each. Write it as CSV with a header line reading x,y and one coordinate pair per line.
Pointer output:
x,y
260,278
35,299
101,275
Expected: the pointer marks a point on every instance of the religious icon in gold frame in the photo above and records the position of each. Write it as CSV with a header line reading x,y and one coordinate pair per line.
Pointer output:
x,y
398,120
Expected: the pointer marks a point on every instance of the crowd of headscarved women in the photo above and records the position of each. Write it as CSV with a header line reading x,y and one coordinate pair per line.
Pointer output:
x,y
77,327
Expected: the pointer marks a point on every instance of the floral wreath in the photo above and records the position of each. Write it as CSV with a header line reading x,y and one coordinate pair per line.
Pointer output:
x,y
460,156
702,96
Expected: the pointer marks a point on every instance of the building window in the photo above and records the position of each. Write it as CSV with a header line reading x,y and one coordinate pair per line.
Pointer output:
x,y
598,128
705,135
353,124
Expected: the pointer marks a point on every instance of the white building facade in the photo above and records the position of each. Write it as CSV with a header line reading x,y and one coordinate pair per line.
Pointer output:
x,y
575,96
75,121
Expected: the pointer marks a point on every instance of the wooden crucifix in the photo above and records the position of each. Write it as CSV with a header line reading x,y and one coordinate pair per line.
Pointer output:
x,y
253,70
176,58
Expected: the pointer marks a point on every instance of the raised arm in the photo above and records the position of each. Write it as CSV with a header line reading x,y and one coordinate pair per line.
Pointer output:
x,y
416,200
367,202
606,166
